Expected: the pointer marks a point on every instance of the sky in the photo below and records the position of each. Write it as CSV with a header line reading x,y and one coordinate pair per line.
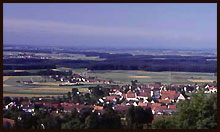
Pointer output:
x,y
114,25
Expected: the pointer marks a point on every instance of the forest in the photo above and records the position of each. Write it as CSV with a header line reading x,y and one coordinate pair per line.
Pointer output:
x,y
119,62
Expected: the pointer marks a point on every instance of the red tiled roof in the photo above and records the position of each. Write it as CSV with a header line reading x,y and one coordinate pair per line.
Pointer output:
x,y
155,105
124,95
177,95
149,104
160,108
38,103
110,98
68,108
117,91
66,104
25,103
121,108
144,94
163,101
168,94
142,104
172,107
130,94
10,121
211,88
98,108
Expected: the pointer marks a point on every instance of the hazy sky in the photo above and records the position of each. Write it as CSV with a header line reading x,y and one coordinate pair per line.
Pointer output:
x,y
111,25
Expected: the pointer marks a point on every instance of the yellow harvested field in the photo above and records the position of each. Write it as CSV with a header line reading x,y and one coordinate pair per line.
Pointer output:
x,y
6,78
50,89
142,72
28,95
43,89
147,72
194,80
5,85
85,90
64,68
49,83
18,76
19,70
55,69
138,76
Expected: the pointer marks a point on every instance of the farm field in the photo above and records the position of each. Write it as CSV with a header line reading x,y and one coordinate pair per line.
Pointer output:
x,y
45,86
125,77
42,86
68,56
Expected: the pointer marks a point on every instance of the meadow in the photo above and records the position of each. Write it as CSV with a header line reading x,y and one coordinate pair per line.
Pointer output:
x,y
42,86
126,76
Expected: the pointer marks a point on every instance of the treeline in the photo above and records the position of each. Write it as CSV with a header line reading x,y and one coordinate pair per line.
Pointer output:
x,y
28,67
120,62
43,73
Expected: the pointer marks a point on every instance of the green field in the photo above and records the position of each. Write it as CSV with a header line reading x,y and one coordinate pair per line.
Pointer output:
x,y
126,76
42,86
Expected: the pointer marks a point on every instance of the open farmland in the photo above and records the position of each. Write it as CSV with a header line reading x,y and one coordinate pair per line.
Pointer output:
x,y
42,86
125,76
46,86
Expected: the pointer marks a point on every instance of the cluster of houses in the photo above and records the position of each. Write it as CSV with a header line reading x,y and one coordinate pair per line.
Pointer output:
x,y
76,78
25,56
160,98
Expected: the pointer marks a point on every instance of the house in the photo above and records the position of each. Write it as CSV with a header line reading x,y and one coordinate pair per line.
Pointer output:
x,y
131,96
115,88
210,89
98,108
101,100
142,104
106,81
156,93
8,123
117,92
154,106
171,109
25,103
112,98
38,104
159,110
52,104
30,108
179,96
68,109
144,95
168,95
189,88
164,101
10,105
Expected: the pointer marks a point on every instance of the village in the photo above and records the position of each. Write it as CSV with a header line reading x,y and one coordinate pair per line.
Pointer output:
x,y
160,98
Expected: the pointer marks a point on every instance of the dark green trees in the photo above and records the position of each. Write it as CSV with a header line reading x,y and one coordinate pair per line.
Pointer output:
x,y
72,124
136,117
164,122
92,121
110,119
200,112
